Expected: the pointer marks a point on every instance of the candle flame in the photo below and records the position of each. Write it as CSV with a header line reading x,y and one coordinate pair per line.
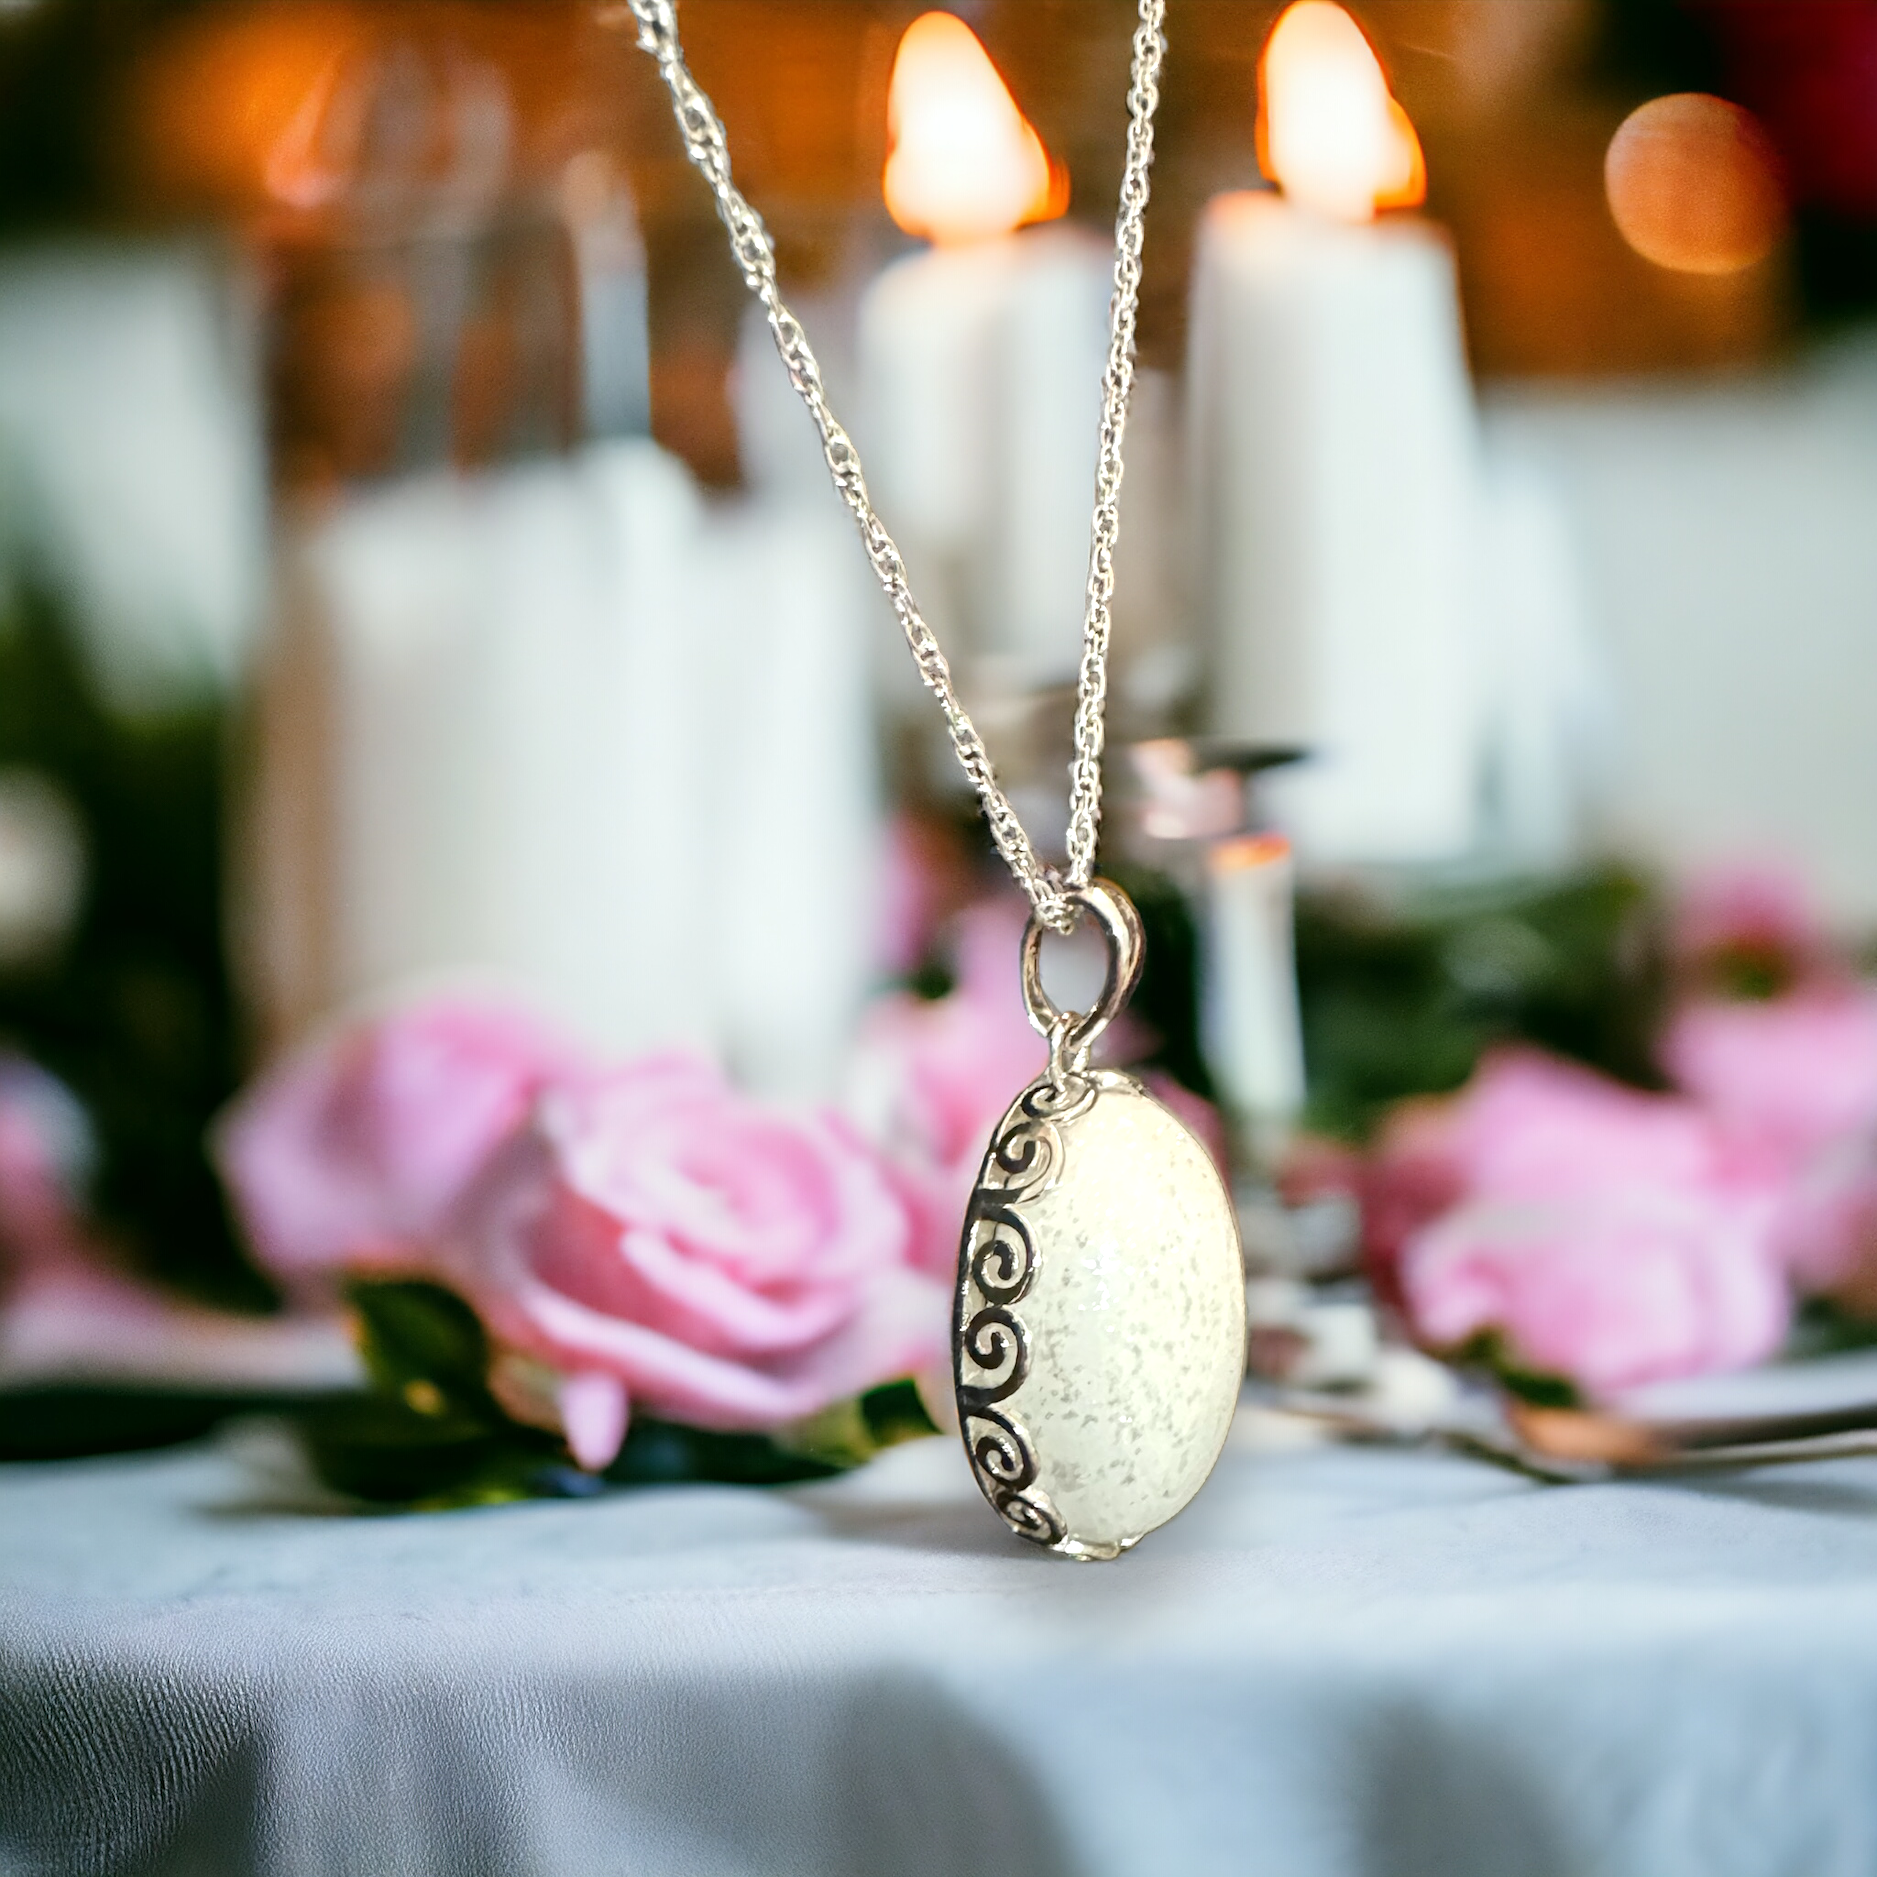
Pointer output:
x,y
1329,131
963,163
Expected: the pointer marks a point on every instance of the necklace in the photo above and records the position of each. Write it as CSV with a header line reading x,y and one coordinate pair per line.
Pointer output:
x,y
1098,1336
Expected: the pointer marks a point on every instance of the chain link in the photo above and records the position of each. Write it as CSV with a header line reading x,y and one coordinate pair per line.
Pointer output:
x,y
1117,384
750,243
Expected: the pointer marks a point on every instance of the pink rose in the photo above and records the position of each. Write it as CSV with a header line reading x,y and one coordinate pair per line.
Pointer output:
x,y
1413,1177
931,1077
659,1241
1611,1289
355,1149
1825,1229
925,876
1795,1073
1611,1236
68,1311
1793,1081
1529,1126
1751,913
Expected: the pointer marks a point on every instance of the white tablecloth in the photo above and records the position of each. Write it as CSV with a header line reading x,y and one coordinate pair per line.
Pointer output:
x,y
1339,1663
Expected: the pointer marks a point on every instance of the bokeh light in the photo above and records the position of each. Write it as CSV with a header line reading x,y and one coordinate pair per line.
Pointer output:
x,y
1694,184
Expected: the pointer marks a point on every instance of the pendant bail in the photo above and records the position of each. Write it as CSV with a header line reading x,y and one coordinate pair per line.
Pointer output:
x,y
1071,1033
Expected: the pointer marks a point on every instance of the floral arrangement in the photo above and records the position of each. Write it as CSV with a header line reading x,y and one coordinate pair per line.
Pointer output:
x,y
1594,1141
567,1270
1581,1236
543,1244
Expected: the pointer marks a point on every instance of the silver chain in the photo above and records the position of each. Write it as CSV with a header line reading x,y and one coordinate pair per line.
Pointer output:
x,y
704,143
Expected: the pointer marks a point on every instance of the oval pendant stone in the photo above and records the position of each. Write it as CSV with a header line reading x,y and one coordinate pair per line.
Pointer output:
x,y
1099,1339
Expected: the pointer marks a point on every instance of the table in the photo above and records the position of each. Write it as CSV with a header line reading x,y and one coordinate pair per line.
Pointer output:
x,y
1339,1663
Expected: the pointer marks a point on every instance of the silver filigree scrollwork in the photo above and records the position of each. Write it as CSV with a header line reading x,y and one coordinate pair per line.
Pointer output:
x,y
996,1267
997,1256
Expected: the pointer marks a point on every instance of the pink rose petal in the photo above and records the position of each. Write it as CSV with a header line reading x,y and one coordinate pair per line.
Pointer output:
x,y
727,1265
352,1151
593,1411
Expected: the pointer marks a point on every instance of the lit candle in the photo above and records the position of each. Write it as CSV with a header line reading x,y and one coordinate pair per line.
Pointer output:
x,y
1334,453
1252,1031
981,359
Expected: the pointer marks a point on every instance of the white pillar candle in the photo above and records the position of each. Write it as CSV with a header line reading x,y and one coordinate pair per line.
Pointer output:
x,y
134,455
566,730
1334,458
795,622
482,752
981,371
1251,1028
652,830
924,345
787,604
1045,435
926,339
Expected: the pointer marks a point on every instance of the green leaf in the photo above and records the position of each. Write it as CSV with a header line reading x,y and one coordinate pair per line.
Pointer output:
x,y
1401,996
375,1448
896,1412
664,1453
851,1432
1824,1327
433,1435
424,1345
838,1437
1491,1352
66,1420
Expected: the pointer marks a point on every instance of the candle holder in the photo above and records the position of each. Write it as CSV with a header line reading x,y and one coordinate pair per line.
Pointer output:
x,y
1193,812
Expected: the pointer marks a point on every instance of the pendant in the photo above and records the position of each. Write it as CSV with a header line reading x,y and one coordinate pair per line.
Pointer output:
x,y
1098,1341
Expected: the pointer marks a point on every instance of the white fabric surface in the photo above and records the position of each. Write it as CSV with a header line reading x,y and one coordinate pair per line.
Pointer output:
x,y
1338,1663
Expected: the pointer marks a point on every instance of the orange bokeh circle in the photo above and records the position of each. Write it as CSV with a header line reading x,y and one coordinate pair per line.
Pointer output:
x,y
1694,184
